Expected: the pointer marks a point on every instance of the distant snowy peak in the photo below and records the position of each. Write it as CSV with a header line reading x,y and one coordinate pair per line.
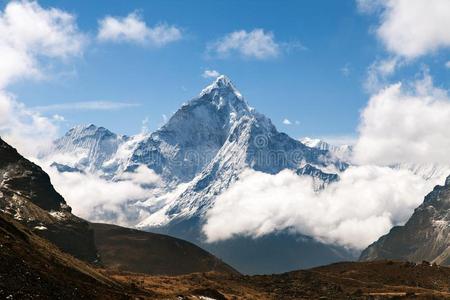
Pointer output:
x,y
87,147
428,171
343,152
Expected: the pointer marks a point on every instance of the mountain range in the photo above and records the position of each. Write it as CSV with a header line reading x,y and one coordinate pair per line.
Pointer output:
x,y
27,195
32,267
197,155
201,150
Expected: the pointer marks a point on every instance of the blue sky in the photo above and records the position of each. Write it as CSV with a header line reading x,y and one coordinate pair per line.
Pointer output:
x,y
325,49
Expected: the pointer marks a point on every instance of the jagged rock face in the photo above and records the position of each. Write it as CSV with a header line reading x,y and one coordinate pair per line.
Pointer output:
x,y
193,135
23,178
426,235
27,194
211,140
88,147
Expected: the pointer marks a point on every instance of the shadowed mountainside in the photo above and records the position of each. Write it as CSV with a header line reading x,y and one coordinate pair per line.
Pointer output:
x,y
143,252
426,235
27,194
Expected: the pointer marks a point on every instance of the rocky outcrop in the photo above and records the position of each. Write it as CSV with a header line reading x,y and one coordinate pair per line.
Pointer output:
x,y
27,194
426,235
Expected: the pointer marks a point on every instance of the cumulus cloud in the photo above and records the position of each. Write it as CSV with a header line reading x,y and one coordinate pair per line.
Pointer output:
x,y
23,128
405,124
210,74
133,29
29,32
101,200
257,44
287,121
411,28
353,212
88,105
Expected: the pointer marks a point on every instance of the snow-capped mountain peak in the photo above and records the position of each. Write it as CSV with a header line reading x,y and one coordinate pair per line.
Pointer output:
x,y
204,146
87,147
221,84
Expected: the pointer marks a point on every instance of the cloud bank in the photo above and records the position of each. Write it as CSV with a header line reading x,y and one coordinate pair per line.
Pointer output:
x,y
100,200
353,212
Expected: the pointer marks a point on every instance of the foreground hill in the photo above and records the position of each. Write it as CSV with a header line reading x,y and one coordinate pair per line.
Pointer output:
x,y
426,235
33,268
143,252
27,195
368,280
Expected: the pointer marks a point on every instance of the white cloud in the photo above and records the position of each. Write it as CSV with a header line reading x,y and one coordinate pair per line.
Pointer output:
x,y
256,44
133,29
378,73
58,118
403,124
369,6
210,74
90,105
29,32
23,128
353,212
287,122
447,64
100,200
411,28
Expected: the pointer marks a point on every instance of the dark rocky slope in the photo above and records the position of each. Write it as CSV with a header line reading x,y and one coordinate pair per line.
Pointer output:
x,y
27,194
33,268
143,252
426,235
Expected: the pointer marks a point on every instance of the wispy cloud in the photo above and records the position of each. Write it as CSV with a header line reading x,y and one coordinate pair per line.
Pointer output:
x,y
132,28
90,105
345,70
